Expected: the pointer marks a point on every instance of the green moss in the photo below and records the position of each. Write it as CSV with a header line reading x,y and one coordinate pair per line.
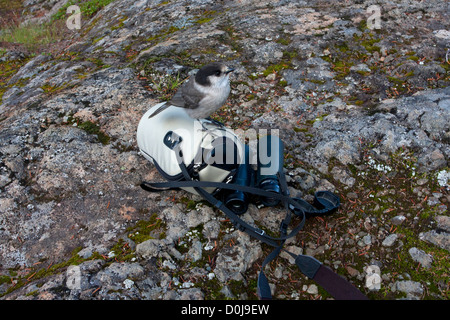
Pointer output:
x,y
5,279
446,66
363,73
122,251
51,89
162,84
162,34
288,56
275,68
232,38
36,274
284,40
367,41
413,58
316,81
342,68
320,117
206,17
32,293
327,59
98,62
396,80
93,128
285,63
190,204
7,70
203,20
237,286
97,39
145,230
362,26
343,47
120,23
211,289
369,44
296,129
10,4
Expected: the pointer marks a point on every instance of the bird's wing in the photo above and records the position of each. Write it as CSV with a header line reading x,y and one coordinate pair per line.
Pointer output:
x,y
177,99
187,96
160,109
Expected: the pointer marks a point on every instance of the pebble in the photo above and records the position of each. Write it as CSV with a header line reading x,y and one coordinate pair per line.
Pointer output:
x,y
128,283
367,239
390,240
373,277
352,195
311,289
352,271
412,289
421,256
398,220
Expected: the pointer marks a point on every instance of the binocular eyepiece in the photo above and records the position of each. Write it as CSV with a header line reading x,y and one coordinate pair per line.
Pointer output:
x,y
270,163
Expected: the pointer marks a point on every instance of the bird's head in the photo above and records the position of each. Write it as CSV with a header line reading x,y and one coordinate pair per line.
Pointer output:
x,y
214,74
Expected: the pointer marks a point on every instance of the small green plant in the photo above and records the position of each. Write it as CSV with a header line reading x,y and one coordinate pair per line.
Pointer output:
x,y
147,229
164,85
32,35
91,128
87,8
207,16
7,70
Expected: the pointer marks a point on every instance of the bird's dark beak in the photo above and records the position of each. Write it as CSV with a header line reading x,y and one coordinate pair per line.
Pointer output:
x,y
229,70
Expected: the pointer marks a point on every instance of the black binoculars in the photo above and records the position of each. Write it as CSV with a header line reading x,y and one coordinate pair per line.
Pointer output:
x,y
270,163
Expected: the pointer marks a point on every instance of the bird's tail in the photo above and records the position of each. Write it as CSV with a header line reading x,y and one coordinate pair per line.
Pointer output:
x,y
160,109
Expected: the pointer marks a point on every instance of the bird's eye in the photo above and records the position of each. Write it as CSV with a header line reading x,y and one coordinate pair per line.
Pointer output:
x,y
218,73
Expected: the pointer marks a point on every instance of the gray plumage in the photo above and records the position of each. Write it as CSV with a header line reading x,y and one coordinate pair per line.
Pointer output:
x,y
203,93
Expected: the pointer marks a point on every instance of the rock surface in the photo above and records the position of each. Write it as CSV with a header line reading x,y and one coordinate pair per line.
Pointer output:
x,y
363,112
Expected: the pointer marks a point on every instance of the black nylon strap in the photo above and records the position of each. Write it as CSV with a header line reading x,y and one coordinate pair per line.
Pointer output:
x,y
337,286
238,222
242,225
264,291
297,205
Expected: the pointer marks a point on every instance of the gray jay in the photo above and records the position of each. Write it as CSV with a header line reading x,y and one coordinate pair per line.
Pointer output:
x,y
203,93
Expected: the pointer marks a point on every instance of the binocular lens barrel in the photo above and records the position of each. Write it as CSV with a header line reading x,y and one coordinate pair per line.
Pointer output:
x,y
237,201
270,162
272,186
